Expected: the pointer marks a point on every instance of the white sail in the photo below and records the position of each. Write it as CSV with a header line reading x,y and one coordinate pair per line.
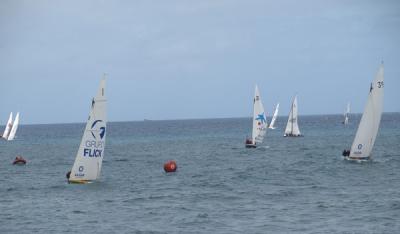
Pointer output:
x,y
346,114
292,127
259,120
370,120
88,161
271,125
14,128
8,127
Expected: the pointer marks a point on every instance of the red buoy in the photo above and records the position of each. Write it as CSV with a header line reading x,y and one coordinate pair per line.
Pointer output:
x,y
170,166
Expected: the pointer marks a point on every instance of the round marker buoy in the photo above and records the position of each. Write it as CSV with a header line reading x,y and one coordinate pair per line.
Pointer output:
x,y
170,166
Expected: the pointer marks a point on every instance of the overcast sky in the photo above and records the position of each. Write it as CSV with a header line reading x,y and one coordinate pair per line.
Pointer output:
x,y
194,59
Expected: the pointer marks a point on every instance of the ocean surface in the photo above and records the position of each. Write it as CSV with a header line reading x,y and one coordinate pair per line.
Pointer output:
x,y
288,185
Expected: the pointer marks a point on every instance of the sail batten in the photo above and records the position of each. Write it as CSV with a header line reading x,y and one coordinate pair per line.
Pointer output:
x,y
88,161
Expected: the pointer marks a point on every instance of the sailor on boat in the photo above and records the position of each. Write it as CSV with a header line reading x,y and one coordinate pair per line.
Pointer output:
x,y
346,153
68,175
19,161
250,144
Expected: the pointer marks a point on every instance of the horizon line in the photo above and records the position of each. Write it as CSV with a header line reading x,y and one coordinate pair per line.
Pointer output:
x,y
188,119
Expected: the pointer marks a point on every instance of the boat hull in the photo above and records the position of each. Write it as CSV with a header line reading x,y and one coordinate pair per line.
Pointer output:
x,y
251,146
357,159
80,181
292,135
19,162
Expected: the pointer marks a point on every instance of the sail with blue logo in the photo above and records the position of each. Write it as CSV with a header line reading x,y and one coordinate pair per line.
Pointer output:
x,y
259,120
370,120
87,165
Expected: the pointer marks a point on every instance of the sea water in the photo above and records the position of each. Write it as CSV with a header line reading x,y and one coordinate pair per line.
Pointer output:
x,y
287,185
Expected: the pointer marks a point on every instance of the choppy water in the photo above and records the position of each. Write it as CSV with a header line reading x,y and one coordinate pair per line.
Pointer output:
x,y
289,185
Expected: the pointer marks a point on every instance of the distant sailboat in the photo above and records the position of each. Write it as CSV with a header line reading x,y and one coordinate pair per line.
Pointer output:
x,y
259,122
88,161
292,127
8,127
271,125
14,128
346,115
370,120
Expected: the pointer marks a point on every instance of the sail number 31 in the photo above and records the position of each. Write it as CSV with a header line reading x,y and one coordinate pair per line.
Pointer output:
x,y
380,84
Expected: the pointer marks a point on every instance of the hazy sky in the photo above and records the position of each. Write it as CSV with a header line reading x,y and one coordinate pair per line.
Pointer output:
x,y
194,59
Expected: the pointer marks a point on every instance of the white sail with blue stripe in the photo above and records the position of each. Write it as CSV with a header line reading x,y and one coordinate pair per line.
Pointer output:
x,y
259,121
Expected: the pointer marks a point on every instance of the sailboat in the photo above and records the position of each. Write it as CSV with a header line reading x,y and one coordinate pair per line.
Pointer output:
x,y
8,127
271,125
14,128
292,127
370,120
346,115
259,122
88,161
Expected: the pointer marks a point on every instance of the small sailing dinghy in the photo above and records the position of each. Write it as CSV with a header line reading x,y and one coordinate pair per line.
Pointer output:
x,y
292,127
87,165
259,122
369,124
14,128
19,160
346,115
8,127
271,125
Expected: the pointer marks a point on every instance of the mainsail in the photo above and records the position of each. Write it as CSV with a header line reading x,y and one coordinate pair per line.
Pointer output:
x,y
88,161
259,120
346,114
8,127
292,127
271,125
14,128
370,120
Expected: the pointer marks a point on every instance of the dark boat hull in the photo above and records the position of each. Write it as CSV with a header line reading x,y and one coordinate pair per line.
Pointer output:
x,y
251,146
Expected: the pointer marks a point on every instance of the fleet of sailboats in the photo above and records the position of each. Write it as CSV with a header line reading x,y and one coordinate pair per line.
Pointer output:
x,y
88,160
259,122
292,126
11,127
370,120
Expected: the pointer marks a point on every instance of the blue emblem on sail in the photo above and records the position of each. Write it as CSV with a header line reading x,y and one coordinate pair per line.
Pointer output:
x,y
101,131
261,118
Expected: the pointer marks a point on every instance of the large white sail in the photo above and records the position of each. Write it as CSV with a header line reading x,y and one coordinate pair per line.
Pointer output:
x,y
14,128
90,155
346,114
292,127
259,120
370,120
8,127
271,125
